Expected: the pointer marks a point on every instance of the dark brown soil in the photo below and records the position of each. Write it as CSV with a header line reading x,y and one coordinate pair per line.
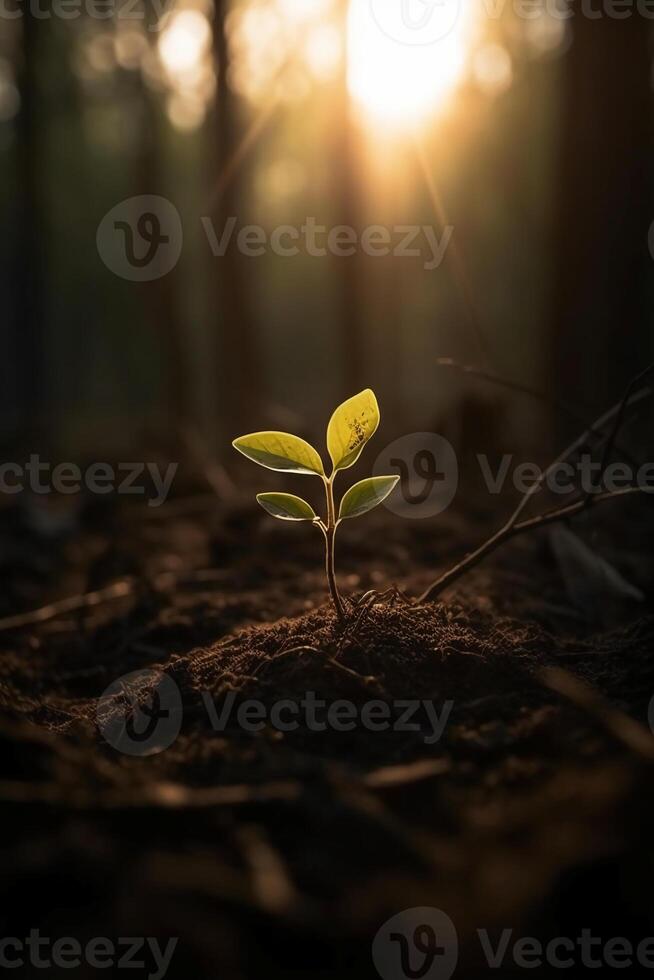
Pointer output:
x,y
276,852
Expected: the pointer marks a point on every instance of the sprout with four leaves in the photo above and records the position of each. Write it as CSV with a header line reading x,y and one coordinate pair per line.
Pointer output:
x,y
350,427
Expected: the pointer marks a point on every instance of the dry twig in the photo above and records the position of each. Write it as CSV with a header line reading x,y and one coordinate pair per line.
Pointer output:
x,y
514,526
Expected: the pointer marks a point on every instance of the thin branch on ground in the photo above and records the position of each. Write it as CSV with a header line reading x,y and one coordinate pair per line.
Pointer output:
x,y
532,524
368,682
260,669
570,510
513,526
390,777
164,582
611,442
619,725
119,590
270,878
165,795
572,448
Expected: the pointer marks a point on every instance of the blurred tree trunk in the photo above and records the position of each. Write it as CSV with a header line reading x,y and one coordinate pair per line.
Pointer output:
x,y
28,273
602,266
350,268
238,374
160,295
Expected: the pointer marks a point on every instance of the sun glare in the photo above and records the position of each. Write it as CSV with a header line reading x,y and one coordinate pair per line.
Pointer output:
x,y
184,41
404,63
184,50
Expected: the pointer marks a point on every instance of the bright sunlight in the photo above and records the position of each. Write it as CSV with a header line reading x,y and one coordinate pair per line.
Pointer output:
x,y
406,58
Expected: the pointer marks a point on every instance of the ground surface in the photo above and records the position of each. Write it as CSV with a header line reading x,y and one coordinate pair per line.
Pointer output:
x,y
275,852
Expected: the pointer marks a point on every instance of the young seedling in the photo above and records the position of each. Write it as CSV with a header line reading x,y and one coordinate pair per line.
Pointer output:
x,y
350,427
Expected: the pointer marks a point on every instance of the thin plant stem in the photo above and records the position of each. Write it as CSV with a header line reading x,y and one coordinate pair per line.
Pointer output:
x,y
329,531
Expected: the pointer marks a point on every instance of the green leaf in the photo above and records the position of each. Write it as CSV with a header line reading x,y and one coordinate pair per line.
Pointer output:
x,y
280,451
350,427
365,496
286,507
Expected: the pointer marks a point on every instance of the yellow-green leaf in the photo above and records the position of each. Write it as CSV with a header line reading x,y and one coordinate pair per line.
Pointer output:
x,y
280,451
350,427
364,496
286,506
